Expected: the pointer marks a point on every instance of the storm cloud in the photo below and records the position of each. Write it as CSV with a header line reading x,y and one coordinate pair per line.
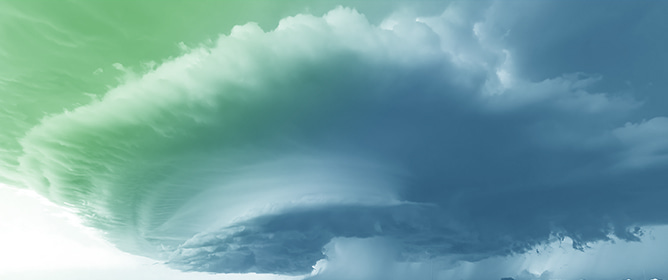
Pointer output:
x,y
429,139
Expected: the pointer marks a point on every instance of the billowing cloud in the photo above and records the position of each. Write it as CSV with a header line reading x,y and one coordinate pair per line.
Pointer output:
x,y
421,137
645,141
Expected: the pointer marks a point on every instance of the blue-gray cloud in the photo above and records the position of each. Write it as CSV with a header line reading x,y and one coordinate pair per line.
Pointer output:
x,y
426,133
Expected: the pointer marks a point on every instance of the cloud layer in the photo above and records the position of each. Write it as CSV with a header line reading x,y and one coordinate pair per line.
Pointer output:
x,y
422,136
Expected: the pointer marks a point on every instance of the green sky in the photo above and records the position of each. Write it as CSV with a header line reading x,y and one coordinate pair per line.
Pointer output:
x,y
381,138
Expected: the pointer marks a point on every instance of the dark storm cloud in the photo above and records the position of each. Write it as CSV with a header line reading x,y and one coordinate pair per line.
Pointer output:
x,y
425,133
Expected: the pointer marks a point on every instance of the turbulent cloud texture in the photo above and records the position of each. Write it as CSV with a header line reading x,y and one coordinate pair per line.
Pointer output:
x,y
420,137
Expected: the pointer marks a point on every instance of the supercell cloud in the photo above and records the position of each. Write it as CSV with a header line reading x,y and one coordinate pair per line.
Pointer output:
x,y
408,141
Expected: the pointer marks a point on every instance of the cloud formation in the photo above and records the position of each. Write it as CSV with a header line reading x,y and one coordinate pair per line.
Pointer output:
x,y
421,137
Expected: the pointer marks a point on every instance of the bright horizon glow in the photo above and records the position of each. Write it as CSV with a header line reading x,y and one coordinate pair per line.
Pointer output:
x,y
47,237
46,240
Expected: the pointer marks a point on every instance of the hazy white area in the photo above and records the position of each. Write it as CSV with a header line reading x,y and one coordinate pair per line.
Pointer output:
x,y
39,240
45,241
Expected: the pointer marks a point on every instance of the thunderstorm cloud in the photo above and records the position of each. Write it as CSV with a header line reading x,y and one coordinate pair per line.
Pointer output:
x,y
417,139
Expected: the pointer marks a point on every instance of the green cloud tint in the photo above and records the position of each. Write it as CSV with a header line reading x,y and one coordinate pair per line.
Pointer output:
x,y
251,151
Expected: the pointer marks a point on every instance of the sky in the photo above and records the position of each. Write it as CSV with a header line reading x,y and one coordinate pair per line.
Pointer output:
x,y
333,139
